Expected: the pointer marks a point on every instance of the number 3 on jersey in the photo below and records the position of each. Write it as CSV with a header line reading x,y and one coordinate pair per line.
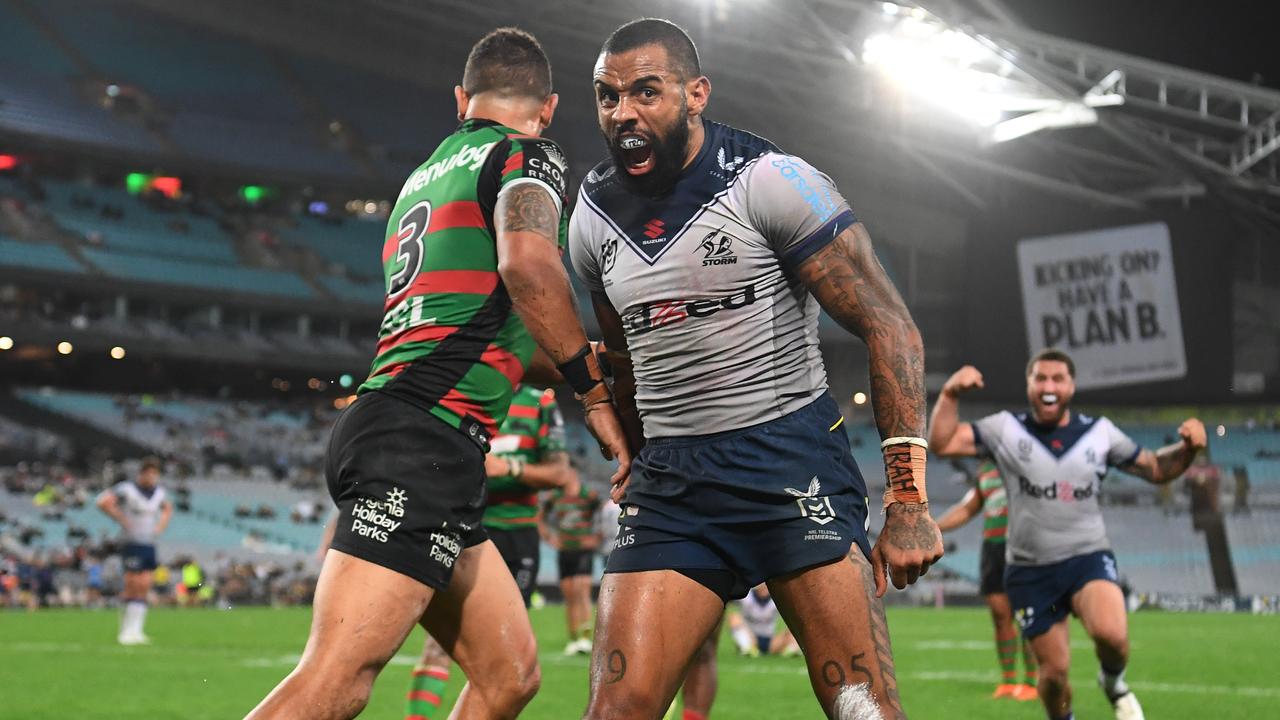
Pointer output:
x,y
409,247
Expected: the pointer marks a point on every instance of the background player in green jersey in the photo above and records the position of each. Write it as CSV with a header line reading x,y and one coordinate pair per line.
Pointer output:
x,y
571,529
474,280
528,455
989,499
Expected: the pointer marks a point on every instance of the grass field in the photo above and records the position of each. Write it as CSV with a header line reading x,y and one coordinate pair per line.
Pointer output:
x,y
217,664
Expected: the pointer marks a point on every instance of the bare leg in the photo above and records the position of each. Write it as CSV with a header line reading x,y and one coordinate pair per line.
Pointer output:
x,y
570,607
1100,607
648,628
701,682
840,625
481,622
363,613
1053,651
1006,639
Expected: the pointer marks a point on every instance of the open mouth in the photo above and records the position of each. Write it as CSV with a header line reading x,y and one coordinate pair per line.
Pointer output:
x,y
1049,399
637,152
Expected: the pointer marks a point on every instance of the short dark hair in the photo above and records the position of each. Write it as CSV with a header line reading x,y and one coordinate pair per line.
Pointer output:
x,y
1053,354
656,31
510,62
151,462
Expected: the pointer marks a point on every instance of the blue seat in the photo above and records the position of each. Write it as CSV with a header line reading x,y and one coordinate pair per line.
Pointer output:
x,y
200,275
37,257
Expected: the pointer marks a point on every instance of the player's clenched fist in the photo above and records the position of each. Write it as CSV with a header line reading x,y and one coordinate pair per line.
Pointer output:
x,y
963,380
1193,434
909,543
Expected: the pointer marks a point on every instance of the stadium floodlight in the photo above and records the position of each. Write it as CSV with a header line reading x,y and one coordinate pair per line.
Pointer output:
x,y
6,343
65,348
952,71
117,353
859,398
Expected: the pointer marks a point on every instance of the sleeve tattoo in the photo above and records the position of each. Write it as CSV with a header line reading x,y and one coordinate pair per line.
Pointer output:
x,y
852,287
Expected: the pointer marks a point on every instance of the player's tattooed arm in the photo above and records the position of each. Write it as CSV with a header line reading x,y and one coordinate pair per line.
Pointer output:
x,y
852,287
527,224
624,379
1169,462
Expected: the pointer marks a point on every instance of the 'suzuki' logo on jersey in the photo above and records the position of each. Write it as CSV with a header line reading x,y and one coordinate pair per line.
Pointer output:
x,y
1063,491
653,315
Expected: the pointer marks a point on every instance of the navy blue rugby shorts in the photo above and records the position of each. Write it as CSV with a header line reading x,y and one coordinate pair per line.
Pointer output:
x,y
753,503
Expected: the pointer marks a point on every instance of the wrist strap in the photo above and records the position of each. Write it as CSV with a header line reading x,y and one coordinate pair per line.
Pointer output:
x,y
599,393
577,372
905,440
516,467
904,466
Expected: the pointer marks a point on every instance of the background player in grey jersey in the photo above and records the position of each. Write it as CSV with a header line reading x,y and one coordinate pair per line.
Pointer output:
x,y
1053,461
708,252
143,510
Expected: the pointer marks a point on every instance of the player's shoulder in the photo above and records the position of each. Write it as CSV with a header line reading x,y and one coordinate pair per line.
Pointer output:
x,y
1086,422
734,149
1002,417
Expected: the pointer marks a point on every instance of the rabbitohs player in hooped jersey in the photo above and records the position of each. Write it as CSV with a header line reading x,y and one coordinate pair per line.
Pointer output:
x,y
449,341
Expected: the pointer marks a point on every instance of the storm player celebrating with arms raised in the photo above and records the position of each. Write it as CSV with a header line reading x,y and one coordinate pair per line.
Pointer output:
x,y
1059,560
704,248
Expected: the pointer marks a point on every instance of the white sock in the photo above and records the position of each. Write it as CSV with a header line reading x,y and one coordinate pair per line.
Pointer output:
x,y
1113,685
743,638
135,613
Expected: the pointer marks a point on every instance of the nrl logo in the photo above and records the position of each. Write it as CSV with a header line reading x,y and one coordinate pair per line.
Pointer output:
x,y
608,255
817,509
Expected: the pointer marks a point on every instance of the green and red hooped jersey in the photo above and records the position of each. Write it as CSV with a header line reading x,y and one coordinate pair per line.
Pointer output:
x,y
533,431
574,517
449,341
995,506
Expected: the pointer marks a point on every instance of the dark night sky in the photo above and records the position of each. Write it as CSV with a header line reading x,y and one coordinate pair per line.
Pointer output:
x,y
1233,40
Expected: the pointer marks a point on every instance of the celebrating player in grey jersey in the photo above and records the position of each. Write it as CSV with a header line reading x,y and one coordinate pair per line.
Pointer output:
x,y
708,252
1059,561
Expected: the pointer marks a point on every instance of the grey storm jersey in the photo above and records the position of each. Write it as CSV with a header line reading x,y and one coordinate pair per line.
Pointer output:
x,y
142,509
1052,479
722,334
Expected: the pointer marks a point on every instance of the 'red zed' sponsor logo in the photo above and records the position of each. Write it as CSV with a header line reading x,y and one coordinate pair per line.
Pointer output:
x,y
653,315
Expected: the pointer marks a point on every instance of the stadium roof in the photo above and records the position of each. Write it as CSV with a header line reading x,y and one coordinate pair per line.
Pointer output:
x,y
1104,127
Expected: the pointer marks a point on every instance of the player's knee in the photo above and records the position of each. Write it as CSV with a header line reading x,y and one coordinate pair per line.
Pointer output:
x,y
624,703
1053,675
508,692
343,691
1001,616
1112,642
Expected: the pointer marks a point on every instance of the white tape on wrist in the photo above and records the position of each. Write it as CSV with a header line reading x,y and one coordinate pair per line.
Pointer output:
x,y
905,441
